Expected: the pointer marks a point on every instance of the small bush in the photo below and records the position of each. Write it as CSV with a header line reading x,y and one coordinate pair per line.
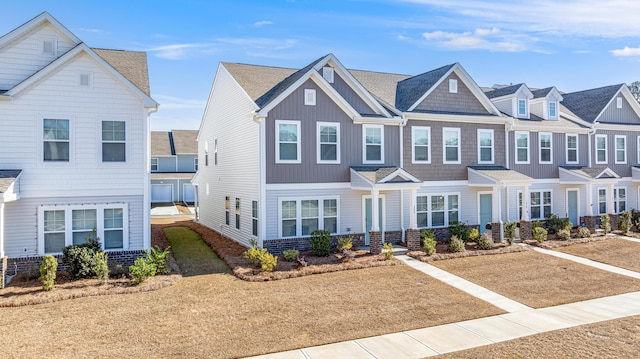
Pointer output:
x,y
320,243
474,234
539,234
159,258
552,223
429,245
79,258
388,250
142,269
625,221
455,245
254,253
100,266
48,270
635,218
460,230
605,223
290,255
345,243
510,231
536,224
485,242
563,235
268,262
427,234
583,232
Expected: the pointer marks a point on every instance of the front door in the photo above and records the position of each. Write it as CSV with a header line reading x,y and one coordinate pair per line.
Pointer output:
x,y
572,206
485,203
368,217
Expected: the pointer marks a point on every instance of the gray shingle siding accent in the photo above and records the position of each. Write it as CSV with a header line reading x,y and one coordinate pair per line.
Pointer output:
x,y
440,100
410,90
325,110
625,115
437,170
284,84
350,96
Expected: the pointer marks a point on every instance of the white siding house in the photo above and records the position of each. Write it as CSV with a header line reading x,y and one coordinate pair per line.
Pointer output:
x,y
73,145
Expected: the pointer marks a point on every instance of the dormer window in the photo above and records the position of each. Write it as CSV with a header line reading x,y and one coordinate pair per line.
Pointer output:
x,y
453,86
553,109
522,107
327,73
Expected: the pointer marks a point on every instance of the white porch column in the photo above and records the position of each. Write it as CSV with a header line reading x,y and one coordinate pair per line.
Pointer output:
x,y
610,206
413,220
375,219
1,232
526,203
589,195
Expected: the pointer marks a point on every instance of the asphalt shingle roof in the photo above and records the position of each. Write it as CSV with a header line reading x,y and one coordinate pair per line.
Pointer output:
x,y
185,141
7,177
131,64
500,173
541,92
503,91
160,144
410,90
592,172
588,104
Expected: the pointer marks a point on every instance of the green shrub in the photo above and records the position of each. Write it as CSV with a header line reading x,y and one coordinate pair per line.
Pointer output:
x,y
485,242
345,243
536,224
427,234
563,235
79,258
583,232
320,243
635,219
268,262
460,230
539,234
474,234
100,266
553,223
290,255
159,258
388,250
429,245
624,221
48,270
565,223
455,245
254,253
510,231
142,269
605,223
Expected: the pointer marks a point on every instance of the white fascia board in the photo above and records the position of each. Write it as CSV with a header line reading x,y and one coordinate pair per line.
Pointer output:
x,y
616,127
635,105
393,121
489,119
36,21
542,128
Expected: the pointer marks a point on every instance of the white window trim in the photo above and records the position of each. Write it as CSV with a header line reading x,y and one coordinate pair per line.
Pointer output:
x,y
480,161
616,198
540,161
606,154
444,145
309,97
566,141
541,205
526,107
154,159
126,143
298,201
71,141
328,74
413,144
99,221
606,194
277,131
515,145
453,86
615,144
618,102
446,208
364,144
318,143
555,103
255,219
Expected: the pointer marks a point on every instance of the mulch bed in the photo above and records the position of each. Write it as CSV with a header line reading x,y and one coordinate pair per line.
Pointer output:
x,y
552,242
231,252
471,250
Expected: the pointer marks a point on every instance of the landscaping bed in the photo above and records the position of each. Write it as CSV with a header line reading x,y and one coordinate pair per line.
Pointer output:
x,y
614,251
471,250
552,242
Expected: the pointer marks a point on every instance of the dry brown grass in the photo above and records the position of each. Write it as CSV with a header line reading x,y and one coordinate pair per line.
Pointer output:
x,y
471,250
615,251
221,316
539,280
618,338
553,243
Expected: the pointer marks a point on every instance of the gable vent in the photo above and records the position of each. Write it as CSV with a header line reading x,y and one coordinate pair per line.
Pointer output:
x,y
85,80
327,73
48,47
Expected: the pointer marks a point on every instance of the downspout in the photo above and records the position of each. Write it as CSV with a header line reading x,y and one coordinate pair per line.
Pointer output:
x,y
146,230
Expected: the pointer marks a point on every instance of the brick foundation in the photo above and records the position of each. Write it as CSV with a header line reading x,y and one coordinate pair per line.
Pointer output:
x,y
413,239
591,222
394,237
496,231
303,244
375,242
526,231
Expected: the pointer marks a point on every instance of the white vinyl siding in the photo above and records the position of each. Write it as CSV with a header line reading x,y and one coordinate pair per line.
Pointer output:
x,y
287,141
621,149
522,147
421,144
485,146
572,148
638,149
298,217
328,142
438,210
601,149
545,148
451,145
373,142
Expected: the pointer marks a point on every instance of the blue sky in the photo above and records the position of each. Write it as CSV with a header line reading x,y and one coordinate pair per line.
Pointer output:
x,y
573,45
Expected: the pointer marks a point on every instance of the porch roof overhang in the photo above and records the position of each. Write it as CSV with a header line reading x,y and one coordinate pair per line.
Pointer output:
x,y
383,178
9,188
490,176
586,175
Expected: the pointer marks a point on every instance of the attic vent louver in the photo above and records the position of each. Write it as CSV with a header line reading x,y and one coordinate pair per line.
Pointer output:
x,y
327,73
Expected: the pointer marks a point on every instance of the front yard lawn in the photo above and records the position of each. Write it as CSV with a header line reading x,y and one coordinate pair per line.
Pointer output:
x,y
194,257
615,251
539,280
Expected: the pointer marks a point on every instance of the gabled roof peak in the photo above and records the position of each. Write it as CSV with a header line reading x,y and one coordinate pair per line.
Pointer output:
x,y
504,91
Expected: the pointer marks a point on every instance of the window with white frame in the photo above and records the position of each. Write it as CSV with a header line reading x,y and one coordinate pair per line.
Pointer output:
x,y
254,218
215,151
327,73
439,210
287,141
310,97
553,109
485,146
601,148
621,149
62,227
602,200
206,153
154,164
195,164
453,86
373,140
114,143
56,138
619,102
328,140
572,148
522,147
301,216
545,149
522,107
237,213
421,140
451,145
539,204
619,199
227,208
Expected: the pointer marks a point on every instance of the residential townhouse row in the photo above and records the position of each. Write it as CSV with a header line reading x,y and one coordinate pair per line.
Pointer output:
x,y
174,161
380,155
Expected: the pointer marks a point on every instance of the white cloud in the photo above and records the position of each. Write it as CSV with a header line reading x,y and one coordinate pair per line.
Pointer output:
x,y
92,30
485,39
175,51
627,51
262,23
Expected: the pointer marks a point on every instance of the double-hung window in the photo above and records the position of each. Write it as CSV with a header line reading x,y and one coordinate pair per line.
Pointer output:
x,y
227,208
54,230
485,146
539,205
545,149
621,149
287,141
56,137
113,228
421,140
437,210
328,142
154,164
522,147
301,216
602,200
522,107
114,141
572,148
237,213
373,140
83,222
553,109
601,149
619,199
254,218
451,145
